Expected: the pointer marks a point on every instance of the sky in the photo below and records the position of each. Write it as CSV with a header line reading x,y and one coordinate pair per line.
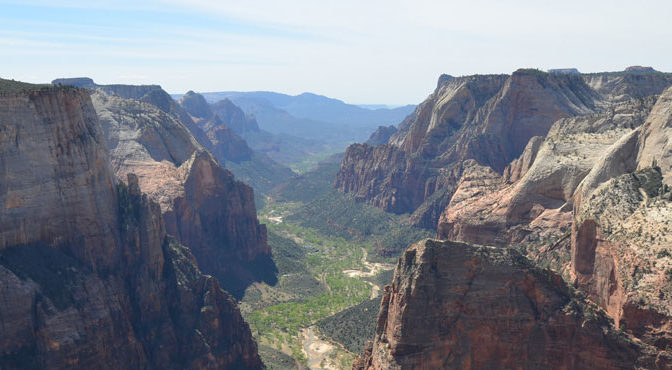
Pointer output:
x,y
363,52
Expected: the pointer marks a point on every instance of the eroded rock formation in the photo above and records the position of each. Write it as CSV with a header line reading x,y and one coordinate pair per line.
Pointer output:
x,y
488,119
457,306
382,135
203,206
225,142
592,202
88,277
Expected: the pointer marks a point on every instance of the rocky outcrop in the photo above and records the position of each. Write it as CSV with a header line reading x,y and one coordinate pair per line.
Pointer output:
x,y
54,165
382,135
489,119
591,202
88,277
151,94
234,117
254,168
226,144
620,238
492,120
453,305
537,189
631,83
202,204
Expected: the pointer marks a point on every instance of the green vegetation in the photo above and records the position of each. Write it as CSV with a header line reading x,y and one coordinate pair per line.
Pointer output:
x,y
278,325
306,187
384,234
275,359
333,255
353,327
311,162
11,86
261,173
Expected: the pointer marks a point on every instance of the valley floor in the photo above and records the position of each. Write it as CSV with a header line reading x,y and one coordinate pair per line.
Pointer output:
x,y
320,275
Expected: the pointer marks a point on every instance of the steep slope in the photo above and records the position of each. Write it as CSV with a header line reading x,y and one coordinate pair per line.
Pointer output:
x,y
453,305
202,204
234,117
620,234
489,119
531,195
592,201
230,149
88,277
227,145
152,94
382,135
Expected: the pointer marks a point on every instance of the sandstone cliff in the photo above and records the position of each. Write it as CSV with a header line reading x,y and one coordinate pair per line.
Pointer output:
x,y
457,306
382,135
489,119
620,235
591,200
227,145
88,277
234,117
202,204
218,122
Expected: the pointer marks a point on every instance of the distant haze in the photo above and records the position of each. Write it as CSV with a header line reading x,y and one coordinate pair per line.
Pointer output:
x,y
362,52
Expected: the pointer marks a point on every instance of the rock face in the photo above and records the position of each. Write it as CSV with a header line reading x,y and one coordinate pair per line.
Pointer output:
x,y
234,117
382,135
88,277
532,194
453,305
592,201
620,234
56,132
203,206
488,119
225,142
220,122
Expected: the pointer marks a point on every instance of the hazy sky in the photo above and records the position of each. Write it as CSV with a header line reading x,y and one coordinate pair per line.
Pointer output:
x,y
389,52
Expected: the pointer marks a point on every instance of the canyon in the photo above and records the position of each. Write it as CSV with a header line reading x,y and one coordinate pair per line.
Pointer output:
x,y
138,230
89,277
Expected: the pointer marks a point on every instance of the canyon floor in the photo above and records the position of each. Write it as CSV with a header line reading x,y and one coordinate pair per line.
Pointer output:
x,y
331,272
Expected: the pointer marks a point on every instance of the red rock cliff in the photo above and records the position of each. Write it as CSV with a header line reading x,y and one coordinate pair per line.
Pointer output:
x,y
88,278
457,306
203,206
486,118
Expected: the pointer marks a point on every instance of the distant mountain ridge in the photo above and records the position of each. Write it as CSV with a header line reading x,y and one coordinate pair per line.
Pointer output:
x,y
319,107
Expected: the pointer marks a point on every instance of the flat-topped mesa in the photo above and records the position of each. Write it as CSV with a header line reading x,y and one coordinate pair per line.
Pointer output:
x,y
84,82
640,69
566,71
453,305
88,277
